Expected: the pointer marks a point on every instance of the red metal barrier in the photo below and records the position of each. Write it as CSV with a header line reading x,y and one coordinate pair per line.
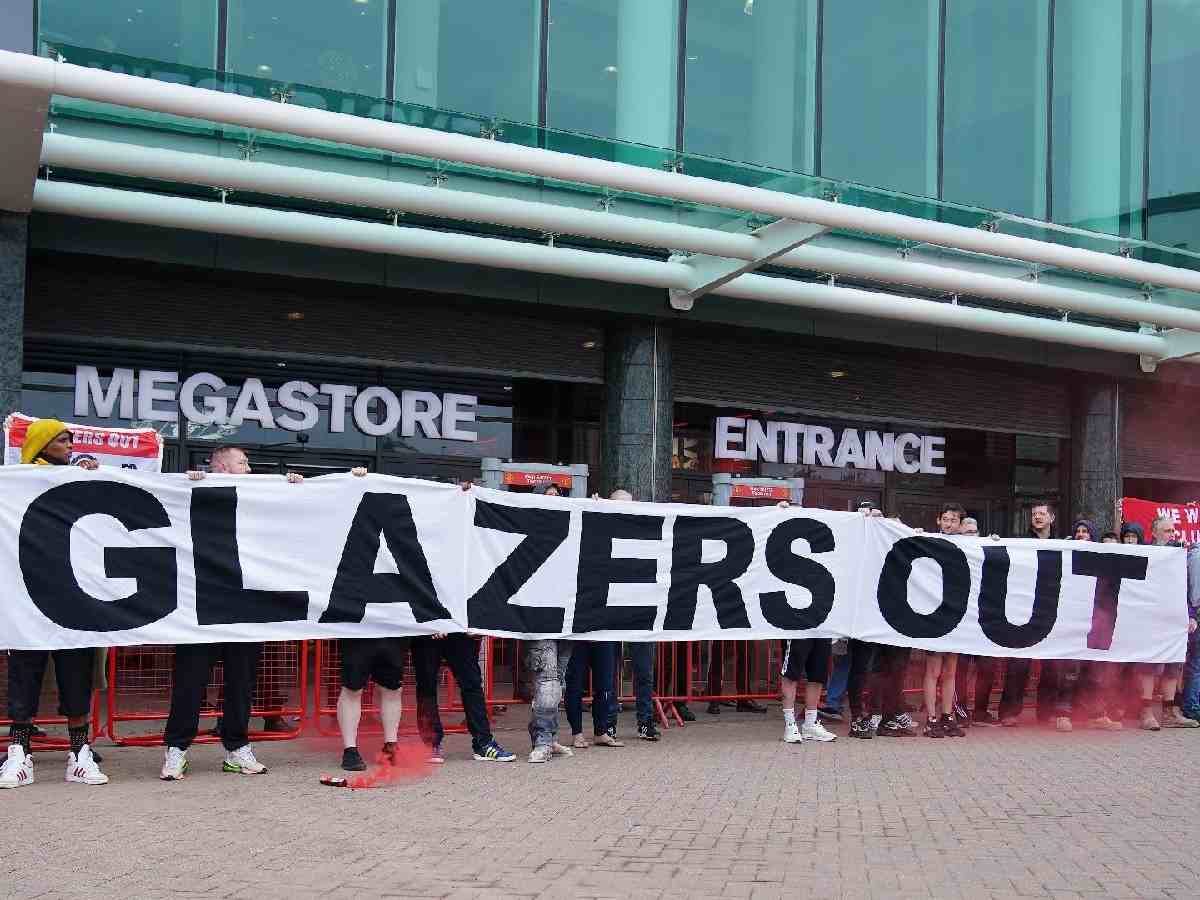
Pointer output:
x,y
139,690
48,701
328,679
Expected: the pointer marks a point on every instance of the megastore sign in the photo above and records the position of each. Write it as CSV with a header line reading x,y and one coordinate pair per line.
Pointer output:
x,y
817,445
153,395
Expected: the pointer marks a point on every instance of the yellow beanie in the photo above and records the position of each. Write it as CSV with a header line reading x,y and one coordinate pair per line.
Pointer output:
x,y
38,435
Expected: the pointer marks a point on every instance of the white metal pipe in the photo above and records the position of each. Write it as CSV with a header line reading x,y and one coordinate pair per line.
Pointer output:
x,y
305,228
87,154
252,112
930,312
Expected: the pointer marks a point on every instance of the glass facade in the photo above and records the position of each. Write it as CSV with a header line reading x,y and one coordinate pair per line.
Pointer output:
x,y
1072,110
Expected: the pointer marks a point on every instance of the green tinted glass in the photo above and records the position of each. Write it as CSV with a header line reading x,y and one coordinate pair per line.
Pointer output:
x,y
340,44
179,31
1174,125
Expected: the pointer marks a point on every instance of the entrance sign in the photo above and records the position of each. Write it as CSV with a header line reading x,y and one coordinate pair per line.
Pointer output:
x,y
142,394
815,445
111,558
123,448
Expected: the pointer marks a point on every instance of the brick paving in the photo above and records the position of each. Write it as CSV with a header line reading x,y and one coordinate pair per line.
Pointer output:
x,y
719,809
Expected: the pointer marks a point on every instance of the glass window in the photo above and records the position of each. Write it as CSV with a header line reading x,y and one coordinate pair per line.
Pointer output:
x,y
1174,125
1099,114
879,71
612,69
995,105
750,71
178,31
473,56
337,44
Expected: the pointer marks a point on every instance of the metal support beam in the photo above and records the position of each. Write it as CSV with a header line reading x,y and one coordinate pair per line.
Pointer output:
x,y
1181,344
712,272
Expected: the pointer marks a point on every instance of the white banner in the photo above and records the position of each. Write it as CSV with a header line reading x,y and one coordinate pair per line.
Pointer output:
x,y
115,558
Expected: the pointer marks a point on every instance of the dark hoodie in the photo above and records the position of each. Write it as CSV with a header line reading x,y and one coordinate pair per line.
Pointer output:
x,y
1086,523
1135,529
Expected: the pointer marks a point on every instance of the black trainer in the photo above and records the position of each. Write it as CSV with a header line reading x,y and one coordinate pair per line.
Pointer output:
x,y
352,760
950,727
684,713
985,719
389,752
647,731
896,726
961,717
750,706
934,728
861,728
714,709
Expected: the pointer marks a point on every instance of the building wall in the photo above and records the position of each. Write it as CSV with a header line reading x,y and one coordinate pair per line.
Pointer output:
x,y
1072,110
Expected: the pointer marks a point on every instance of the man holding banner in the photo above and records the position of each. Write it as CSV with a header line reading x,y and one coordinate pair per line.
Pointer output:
x,y
48,442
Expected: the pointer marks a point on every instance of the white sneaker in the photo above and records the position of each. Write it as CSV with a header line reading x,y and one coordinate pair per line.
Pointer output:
x,y
82,769
175,766
561,750
242,762
791,733
541,754
817,732
17,770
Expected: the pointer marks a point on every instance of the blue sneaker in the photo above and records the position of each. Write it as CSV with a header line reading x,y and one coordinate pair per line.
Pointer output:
x,y
493,752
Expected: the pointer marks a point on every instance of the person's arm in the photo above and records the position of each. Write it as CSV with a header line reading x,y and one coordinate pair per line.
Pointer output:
x,y
295,478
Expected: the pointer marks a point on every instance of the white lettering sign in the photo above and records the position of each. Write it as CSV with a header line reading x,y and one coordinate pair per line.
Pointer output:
x,y
816,445
375,411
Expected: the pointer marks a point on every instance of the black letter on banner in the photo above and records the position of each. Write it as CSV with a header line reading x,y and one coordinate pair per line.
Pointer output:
x,y
688,572
545,531
1108,569
993,593
598,569
388,516
44,549
220,597
893,587
801,571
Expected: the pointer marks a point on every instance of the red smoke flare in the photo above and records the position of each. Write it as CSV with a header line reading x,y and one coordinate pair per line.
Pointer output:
x,y
410,763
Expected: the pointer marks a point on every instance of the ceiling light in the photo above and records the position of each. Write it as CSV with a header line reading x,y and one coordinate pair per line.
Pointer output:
x,y
748,8
264,68
611,70
588,345
295,316
508,387
838,373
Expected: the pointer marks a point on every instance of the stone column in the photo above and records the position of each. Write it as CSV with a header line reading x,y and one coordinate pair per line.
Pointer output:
x,y
638,410
14,242
1095,454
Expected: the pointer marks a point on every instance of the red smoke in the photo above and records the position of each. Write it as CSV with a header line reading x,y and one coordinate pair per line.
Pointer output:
x,y
411,763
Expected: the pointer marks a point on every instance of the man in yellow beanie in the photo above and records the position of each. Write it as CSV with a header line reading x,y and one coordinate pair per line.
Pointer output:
x,y
48,443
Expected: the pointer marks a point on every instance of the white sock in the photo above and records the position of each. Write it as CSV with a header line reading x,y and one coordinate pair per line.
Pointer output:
x,y
349,711
391,706
789,716
810,717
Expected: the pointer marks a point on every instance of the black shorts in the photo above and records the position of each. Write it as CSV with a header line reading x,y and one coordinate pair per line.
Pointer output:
x,y
73,670
807,659
379,659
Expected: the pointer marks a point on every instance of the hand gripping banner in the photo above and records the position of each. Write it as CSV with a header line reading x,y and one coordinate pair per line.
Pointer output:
x,y
114,558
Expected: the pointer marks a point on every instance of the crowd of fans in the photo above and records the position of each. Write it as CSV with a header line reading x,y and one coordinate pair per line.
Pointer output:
x,y
865,678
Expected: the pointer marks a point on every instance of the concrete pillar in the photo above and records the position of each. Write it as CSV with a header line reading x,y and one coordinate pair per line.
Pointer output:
x,y
638,409
1095,454
1099,97
647,57
14,243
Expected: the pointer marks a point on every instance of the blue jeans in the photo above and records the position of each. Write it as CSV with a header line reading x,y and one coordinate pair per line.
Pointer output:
x,y
545,661
641,654
599,657
1191,675
839,680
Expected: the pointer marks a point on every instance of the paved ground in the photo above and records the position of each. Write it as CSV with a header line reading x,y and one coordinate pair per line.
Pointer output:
x,y
720,809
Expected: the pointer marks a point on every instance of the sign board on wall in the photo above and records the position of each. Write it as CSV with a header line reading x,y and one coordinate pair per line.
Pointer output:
x,y
123,448
151,394
797,443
